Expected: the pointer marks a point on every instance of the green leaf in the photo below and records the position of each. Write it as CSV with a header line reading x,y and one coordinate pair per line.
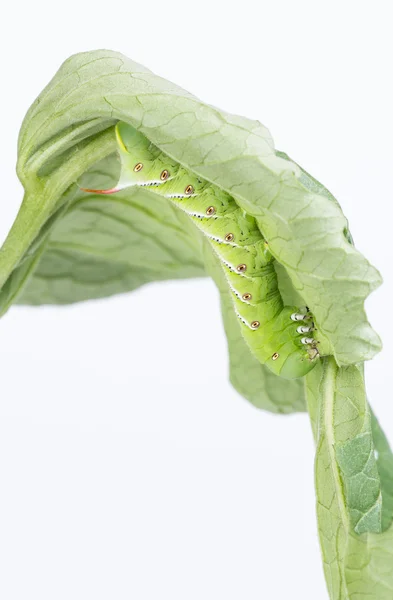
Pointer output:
x,y
353,497
384,459
66,247
96,246
305,228
368,568
249,377
109,245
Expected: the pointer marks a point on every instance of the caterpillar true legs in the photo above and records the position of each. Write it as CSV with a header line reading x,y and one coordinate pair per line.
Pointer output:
x,y
279,336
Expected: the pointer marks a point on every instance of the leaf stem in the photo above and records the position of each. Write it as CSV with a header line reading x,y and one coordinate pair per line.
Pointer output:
x,y
328,389
41,199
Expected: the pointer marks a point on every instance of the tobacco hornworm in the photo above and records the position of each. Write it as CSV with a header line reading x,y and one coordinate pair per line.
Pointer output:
x,y
279,336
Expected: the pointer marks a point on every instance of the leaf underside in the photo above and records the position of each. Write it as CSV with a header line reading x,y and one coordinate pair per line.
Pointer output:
x,y
105,245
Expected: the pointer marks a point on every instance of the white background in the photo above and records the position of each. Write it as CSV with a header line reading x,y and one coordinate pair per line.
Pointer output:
x,y
129,468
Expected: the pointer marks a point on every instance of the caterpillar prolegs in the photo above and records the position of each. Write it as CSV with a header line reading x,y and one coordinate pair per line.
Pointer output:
x,y
280,336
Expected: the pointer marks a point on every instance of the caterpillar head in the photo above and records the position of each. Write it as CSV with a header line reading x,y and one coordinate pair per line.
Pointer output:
x,y
293,364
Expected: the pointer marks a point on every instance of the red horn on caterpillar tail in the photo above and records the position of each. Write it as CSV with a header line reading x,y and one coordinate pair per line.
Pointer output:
x,y
110,191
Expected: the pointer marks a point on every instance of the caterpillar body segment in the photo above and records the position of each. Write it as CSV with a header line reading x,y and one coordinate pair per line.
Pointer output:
x,y
233,229
248,261
279,336
151,163
250,291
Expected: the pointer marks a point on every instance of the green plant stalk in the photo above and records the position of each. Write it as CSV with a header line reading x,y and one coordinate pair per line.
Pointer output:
x,y
42,196
320,393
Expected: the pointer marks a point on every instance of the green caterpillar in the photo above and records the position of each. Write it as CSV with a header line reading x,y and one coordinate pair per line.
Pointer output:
x,y
278,335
